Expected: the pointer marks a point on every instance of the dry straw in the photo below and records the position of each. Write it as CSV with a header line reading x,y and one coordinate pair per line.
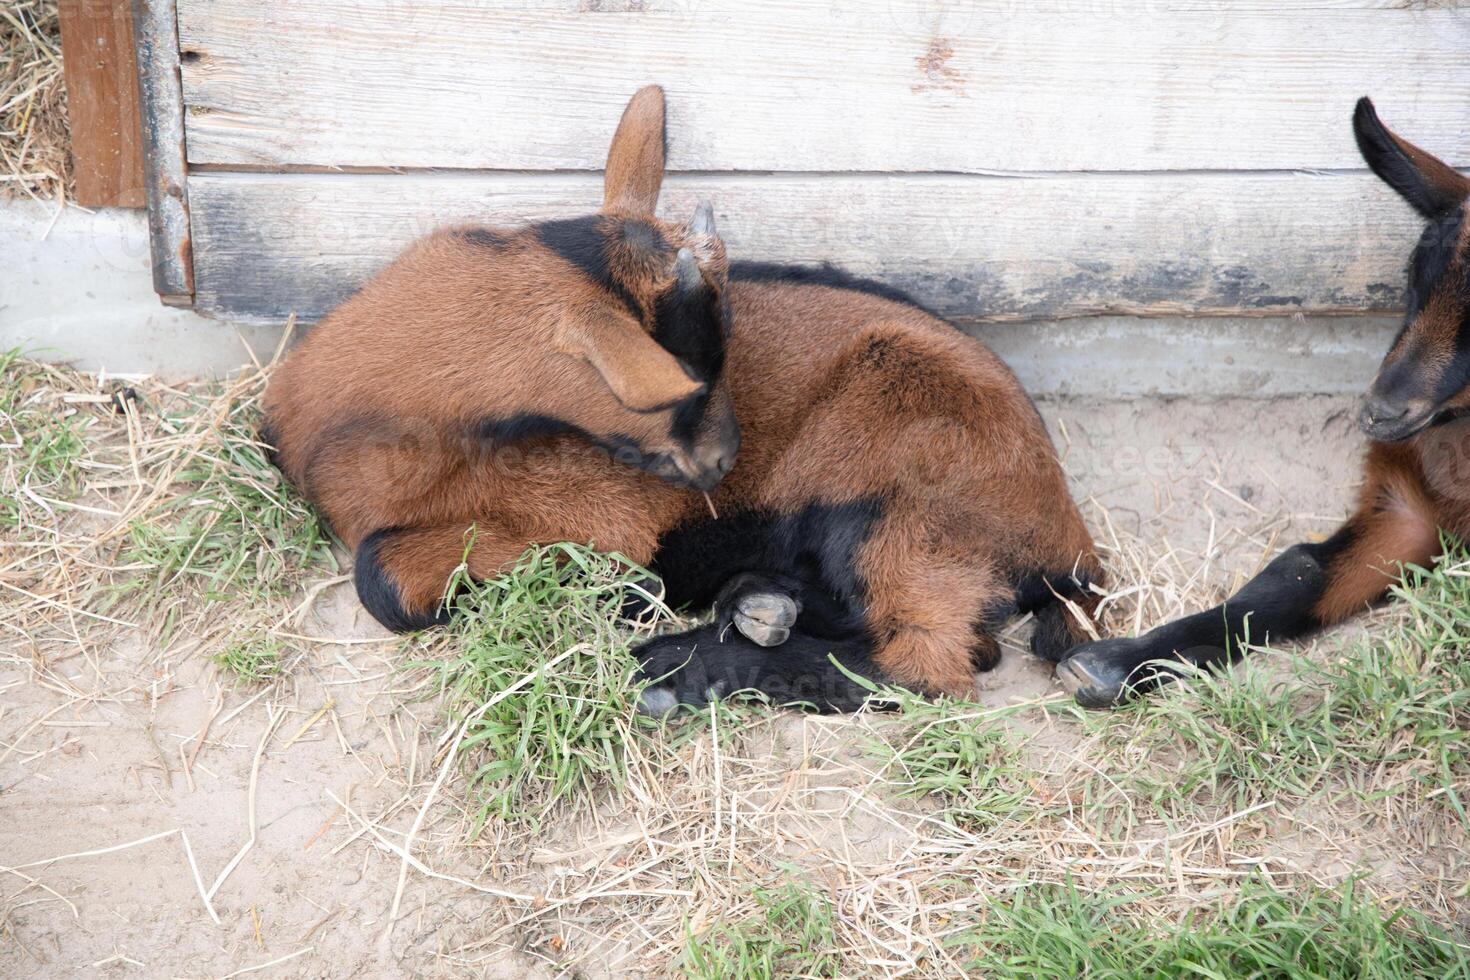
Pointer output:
x,y
34,140
143,542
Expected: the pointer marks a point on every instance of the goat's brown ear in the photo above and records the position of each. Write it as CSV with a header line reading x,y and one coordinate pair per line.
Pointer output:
x,y
1426,182
643,376
635,162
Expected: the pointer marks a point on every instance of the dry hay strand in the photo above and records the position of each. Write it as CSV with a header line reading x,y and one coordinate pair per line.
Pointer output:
x,y
141,512
35,140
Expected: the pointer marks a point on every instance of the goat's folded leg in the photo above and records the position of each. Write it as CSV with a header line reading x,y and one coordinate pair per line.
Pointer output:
x,y
402,573
1303,589
701,665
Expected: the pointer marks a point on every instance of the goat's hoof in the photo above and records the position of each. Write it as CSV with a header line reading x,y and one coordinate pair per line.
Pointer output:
x,y
1096,676
658,702
636,602
766,618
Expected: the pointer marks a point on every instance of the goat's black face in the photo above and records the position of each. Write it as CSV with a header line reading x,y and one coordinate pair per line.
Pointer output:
x,y
1426,376
692,322
671,279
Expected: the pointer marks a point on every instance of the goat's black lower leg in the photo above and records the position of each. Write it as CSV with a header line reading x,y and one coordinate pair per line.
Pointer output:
x,y
705,664
1277,604
1055,635
1058,628
1303,589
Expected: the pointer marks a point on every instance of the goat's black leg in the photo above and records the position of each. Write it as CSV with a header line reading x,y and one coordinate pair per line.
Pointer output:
x,y
703,665
638,603
1303,589
1277,604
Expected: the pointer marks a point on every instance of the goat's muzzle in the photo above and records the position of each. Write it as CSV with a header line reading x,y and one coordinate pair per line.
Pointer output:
x,y
1388,420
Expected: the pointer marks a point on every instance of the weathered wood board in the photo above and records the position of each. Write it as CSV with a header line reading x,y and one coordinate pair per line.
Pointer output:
x,y
1001,161
161,97
102,102
974,247
860,85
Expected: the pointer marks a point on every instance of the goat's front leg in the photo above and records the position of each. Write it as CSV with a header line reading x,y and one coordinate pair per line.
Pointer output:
x,y
1305,588
402,573
699,666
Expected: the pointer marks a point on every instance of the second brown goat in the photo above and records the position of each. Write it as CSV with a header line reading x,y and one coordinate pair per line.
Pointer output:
x,y
887,495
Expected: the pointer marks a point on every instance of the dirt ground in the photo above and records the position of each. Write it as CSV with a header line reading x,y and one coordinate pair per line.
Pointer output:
x,y
336,760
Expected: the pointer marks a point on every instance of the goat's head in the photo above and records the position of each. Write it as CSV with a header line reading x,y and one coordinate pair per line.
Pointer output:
x,y
1426,376
646,316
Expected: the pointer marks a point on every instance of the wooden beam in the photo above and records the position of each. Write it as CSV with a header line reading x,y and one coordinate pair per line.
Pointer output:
x,y
161,103
102,102
973,247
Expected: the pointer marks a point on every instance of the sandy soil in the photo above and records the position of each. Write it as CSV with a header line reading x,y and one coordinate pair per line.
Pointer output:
x,y
1213,488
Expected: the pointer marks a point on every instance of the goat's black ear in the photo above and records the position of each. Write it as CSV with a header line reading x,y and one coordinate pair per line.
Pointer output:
x,y
1426,182
635,161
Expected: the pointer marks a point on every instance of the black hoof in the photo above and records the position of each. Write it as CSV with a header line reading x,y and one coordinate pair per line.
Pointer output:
x,y
1102,674
766,618
763,608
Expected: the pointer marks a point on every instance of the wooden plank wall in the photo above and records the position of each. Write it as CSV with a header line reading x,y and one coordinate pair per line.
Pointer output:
x,y
980,248
1002,161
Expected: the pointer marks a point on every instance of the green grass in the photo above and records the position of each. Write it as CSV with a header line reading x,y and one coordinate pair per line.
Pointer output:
x,y
792,934
41,451
1403,700
1062,931
565,733
1386,715
236,529
251,661
1237,737
962,755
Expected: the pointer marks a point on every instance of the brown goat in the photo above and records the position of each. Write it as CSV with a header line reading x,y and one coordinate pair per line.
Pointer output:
x,y
1416,480
896,495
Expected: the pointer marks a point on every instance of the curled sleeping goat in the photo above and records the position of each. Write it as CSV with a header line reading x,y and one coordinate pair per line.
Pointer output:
x,y
887,495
